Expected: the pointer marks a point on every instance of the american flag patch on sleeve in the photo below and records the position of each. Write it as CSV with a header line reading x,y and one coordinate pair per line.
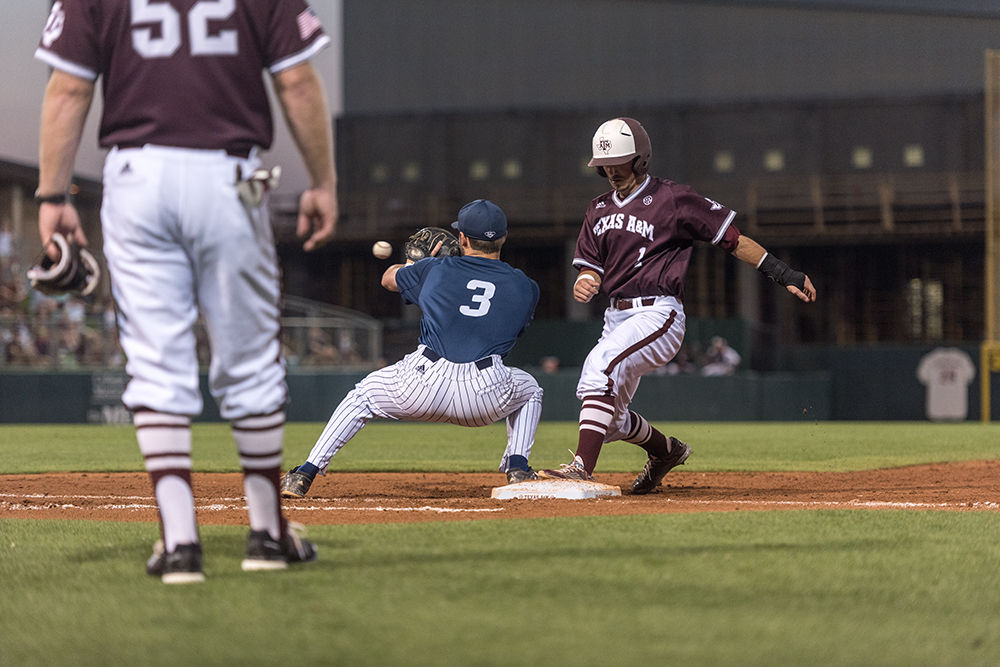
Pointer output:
x,y
308,23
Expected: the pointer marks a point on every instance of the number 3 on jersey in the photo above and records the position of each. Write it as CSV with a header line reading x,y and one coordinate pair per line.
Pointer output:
x,y
482,300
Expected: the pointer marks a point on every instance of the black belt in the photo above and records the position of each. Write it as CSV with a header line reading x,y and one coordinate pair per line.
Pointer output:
x,y
242,153
625,304
481,364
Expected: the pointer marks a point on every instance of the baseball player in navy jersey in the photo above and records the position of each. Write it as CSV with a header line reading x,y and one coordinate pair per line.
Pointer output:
x,y
473,309
185,225
635,246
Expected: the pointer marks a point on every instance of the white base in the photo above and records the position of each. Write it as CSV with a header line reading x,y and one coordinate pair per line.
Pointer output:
x,y
555,488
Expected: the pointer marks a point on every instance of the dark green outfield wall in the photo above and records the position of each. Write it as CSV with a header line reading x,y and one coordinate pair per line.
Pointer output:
x,y
867,383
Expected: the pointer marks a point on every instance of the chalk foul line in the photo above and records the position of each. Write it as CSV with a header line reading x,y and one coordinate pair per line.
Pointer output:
x,y
24,502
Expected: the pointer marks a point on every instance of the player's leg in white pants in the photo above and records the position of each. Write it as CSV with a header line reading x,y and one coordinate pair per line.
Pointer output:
x,y
152,284
238,290
632,344
415,389
350,416
522,423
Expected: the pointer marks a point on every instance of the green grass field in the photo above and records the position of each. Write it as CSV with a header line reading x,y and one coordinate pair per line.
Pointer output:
x,y
846,587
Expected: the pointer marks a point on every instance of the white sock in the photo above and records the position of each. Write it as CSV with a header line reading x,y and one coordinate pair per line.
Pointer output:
x,y
165,443
259,443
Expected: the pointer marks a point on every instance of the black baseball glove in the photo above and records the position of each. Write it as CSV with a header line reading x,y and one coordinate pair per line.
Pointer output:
x,y
75,272
421,244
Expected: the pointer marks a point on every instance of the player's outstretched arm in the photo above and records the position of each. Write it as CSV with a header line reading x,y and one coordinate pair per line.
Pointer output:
x,y
749,251
303,102
64,112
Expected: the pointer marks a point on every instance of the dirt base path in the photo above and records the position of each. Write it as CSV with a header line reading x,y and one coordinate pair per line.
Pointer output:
x,y
341,498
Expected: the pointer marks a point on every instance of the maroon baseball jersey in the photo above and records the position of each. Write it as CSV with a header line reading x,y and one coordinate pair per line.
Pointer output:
x,y
183,73
641,245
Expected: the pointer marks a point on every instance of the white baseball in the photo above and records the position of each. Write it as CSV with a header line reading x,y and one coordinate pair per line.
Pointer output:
x,y
382,249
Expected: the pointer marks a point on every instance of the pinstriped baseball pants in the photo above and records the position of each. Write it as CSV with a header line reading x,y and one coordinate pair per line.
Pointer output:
x,y
418,389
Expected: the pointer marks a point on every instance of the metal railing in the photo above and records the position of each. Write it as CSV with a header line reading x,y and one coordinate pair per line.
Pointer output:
x,y
793,206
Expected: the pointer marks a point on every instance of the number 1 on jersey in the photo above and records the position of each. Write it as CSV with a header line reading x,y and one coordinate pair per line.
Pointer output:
x,y
642,251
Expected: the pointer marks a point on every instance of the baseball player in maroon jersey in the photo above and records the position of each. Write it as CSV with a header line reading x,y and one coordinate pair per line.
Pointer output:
x,y
635,246
185,224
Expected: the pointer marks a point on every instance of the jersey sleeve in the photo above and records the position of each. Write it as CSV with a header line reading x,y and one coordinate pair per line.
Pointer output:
x,y
535,294
410,279
706,219
69,39
587,254
296,35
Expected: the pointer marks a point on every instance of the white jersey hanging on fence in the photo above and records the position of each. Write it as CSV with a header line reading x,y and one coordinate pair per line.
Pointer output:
x,y
946,372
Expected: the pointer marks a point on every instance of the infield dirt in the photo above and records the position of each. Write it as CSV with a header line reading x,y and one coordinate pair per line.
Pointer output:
x,y
343,497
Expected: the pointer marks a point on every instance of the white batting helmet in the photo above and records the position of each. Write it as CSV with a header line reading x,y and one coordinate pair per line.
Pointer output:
x,y
618,141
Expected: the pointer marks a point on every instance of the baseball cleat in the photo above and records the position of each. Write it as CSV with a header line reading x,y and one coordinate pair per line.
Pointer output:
x,y
573,470
180,566
657,467
266,553
295,484
515,475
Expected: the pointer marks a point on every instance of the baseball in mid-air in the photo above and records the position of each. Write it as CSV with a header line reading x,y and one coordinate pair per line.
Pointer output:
x,y
382,249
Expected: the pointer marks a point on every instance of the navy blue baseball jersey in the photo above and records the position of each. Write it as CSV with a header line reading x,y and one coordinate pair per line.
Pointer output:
x,y
472,306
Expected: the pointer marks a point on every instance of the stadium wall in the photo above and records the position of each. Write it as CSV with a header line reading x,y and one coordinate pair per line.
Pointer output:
x,y
863,383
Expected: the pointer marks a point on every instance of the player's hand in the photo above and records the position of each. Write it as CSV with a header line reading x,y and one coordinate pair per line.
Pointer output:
x,y
584,289
437,248
807,293
61,218
318,214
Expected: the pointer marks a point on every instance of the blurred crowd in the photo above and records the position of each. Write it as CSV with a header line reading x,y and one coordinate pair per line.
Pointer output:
x,y
40,331
717,359
65,332
54,332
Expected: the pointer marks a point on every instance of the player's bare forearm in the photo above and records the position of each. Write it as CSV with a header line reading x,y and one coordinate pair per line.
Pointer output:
x,y
587,285
64,113
303,102
749,251
389,277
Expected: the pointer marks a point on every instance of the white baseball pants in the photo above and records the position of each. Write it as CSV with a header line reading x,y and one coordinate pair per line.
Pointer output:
x,y
179,242
418,389
634,342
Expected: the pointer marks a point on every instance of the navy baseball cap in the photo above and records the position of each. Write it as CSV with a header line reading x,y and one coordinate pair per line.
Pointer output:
x,y
481,219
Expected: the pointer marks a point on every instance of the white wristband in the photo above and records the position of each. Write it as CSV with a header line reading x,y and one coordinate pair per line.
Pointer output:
x,y
588,276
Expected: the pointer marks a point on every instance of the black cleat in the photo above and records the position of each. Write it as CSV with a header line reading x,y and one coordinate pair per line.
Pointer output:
x,y
180,566
295,484
515,475
657,467
266,553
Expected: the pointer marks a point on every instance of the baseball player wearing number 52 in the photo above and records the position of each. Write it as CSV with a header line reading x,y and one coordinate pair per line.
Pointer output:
x,y
474,308
186,229
635,246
